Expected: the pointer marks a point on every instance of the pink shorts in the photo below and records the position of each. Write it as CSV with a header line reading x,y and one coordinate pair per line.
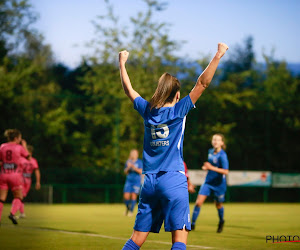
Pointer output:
x,y
11,181
26,186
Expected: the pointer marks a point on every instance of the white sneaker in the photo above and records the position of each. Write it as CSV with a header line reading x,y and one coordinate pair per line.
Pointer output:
x,y
22,216
130,214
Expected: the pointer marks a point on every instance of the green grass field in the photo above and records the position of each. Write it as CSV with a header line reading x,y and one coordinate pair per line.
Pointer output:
x,y
105,227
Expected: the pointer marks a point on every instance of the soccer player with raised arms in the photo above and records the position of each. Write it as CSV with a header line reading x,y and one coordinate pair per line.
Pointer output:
x,y
133,170
164,194
215,181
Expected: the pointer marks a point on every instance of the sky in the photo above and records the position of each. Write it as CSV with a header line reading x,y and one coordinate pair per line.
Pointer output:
x,y
274,25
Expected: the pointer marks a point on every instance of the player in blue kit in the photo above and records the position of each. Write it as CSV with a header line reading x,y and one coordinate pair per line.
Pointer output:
x,y
164,194
215,181
133,169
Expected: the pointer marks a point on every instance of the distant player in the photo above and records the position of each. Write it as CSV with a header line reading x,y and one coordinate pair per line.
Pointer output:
x,y
29,166
133,170
164,195
11,154
215,182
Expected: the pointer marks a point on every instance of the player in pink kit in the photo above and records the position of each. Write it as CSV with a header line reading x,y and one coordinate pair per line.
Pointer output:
x,y
29,166
11,154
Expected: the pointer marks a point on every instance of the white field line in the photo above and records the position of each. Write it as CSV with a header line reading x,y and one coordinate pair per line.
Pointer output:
x,y
110,237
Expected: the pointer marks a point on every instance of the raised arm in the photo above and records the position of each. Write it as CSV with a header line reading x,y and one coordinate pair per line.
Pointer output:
x,y
25,152
205,78
126,84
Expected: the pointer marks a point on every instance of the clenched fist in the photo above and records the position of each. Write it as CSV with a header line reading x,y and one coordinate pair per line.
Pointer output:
x,y
222,48
123,56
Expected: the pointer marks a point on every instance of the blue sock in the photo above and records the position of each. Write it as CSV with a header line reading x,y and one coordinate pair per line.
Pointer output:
x,y
133,202
130,245
221,214
127,202
195,214
178,246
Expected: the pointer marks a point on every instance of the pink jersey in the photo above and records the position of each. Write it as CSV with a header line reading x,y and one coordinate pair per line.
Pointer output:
x,y
11,155
29,166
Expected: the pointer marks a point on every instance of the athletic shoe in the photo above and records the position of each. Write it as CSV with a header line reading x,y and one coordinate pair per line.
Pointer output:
x,y
220,226
193,227
13,219
130,214
22,216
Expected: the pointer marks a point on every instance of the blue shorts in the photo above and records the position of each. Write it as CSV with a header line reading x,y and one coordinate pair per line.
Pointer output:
x,y
164,198
130,187
217,192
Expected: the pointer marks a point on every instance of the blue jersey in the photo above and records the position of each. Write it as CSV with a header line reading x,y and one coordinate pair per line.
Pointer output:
x,y
133,176
163,136
218,160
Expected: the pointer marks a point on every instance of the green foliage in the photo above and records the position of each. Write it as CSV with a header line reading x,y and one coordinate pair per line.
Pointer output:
x,y
150,55
83,126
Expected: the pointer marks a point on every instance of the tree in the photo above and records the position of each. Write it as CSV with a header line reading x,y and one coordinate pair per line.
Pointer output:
x,y
111,121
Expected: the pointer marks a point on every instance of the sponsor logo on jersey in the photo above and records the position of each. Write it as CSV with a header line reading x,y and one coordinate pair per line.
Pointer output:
x,y
162,133
159,143
215,160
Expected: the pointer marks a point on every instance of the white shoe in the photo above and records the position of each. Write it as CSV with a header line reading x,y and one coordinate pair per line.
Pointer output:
x,y
130,214
22,216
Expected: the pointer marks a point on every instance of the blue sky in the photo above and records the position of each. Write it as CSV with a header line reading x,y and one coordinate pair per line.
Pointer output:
x,y
274,24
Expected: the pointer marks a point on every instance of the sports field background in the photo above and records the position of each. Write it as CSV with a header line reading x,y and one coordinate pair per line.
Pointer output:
x,y
98,226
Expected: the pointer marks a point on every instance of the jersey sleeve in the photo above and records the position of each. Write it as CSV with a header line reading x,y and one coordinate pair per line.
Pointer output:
x,y
140,104
184,106
224,161
35,165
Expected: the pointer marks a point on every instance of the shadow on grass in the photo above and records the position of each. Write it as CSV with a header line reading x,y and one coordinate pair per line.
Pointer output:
x,y
237,226
60,230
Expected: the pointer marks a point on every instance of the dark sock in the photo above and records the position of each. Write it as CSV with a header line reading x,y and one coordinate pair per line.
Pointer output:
x,y
130,245
195,214
133,202
178,246
221,214
127,202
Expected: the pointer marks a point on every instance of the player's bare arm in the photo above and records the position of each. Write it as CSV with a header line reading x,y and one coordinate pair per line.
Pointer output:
x,y
205,78
138,170
191,187
128,167
208,166
24,144
126,84
38,179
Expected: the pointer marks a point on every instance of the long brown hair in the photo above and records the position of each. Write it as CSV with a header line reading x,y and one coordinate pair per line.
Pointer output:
x,y
11,134
166,90
223,139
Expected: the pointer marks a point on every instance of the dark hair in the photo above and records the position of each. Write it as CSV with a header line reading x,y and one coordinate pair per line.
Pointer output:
x,y
11,134
166,90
